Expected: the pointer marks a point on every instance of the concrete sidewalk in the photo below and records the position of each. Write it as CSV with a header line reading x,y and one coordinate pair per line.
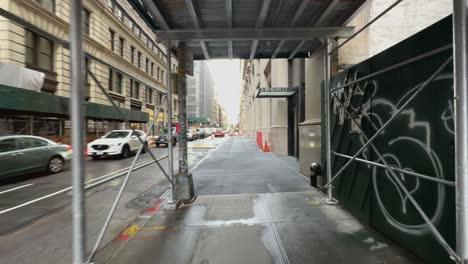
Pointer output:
x,y
252,208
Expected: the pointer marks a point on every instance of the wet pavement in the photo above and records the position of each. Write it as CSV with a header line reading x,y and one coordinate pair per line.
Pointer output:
x,y
252,208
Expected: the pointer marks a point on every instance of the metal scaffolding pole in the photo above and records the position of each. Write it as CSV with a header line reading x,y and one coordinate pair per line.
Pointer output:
x,y
460,42
169,121
182,92
326,70
77,121
184,179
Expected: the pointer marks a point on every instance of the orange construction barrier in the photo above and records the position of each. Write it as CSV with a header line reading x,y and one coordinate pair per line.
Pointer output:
x,y
265,147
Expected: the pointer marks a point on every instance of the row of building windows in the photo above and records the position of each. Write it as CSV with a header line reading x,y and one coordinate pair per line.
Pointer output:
x,y
116,84
118,11
136,57
40,54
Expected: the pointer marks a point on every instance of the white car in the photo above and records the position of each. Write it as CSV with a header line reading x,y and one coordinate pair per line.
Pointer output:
x,y
117,143
190,135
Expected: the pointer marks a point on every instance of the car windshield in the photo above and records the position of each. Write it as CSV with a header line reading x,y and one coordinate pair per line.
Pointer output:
x,y
117,134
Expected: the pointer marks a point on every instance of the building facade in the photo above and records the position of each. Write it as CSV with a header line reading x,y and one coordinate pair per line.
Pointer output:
x,y
292,126
265,119
201,94
121,52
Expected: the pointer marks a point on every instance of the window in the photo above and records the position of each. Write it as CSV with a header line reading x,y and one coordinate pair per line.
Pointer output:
x,y
120,14
122,46
48,4
160,97
110,4
111,78
131,87
39,51
139,59
111,39
115,81
25,143
87,83
147,65
162,76
135,90
152,69
118,82
149,95
86,19
157,74
132,54
7,145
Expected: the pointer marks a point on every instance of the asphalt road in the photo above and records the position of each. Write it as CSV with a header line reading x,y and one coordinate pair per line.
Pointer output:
x,y
29,188
36,196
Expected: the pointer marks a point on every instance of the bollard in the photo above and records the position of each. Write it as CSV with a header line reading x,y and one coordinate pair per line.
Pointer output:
x,y
315,171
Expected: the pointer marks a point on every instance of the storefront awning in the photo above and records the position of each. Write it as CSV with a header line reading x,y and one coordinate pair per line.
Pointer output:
x,y
198,119
17,100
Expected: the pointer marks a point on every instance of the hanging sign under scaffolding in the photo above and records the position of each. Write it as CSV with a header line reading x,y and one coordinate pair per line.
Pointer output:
x,y
276,92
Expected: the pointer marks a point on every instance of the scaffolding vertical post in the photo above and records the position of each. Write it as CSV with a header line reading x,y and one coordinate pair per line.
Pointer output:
x,y
77,121
169,120
182,93
184,179
460,42
326,90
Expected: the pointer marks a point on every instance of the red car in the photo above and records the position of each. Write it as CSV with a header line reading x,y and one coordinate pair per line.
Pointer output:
x,y
219,133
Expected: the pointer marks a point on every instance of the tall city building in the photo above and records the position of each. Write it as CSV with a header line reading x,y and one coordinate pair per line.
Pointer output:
x,y
120,51
201,94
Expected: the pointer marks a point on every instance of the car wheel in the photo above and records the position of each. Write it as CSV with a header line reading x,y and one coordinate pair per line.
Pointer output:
x,y
125,152
157,145
95,157
55,164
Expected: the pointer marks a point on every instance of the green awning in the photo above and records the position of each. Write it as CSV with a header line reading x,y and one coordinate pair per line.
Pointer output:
x,y
24,101
198,119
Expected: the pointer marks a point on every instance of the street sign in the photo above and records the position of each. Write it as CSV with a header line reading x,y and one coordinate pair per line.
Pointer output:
x,y
276,92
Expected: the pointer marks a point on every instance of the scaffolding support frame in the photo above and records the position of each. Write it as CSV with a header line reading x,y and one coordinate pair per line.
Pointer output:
x,y
460,66
326,83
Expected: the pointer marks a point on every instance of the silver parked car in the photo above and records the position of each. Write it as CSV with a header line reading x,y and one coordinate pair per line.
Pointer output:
x,y
25,154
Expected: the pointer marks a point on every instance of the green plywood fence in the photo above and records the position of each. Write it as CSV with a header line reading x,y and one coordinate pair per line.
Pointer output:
x,y
420,139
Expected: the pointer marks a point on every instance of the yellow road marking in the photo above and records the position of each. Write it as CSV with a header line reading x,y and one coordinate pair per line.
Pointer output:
x,y
154,228
313,202
130,230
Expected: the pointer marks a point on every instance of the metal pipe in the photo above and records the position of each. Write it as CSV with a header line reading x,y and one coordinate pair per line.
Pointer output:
x,y
419,175
169,120
119,194
395,66
367,25
424,85
77,121
327,107
439,238
182,136
120,174
114,205
460,41
127,122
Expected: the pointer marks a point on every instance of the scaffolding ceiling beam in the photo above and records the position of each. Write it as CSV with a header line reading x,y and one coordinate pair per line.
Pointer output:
x,y
243,34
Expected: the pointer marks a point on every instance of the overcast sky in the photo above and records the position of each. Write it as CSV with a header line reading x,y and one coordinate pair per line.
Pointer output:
x,y
226,74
